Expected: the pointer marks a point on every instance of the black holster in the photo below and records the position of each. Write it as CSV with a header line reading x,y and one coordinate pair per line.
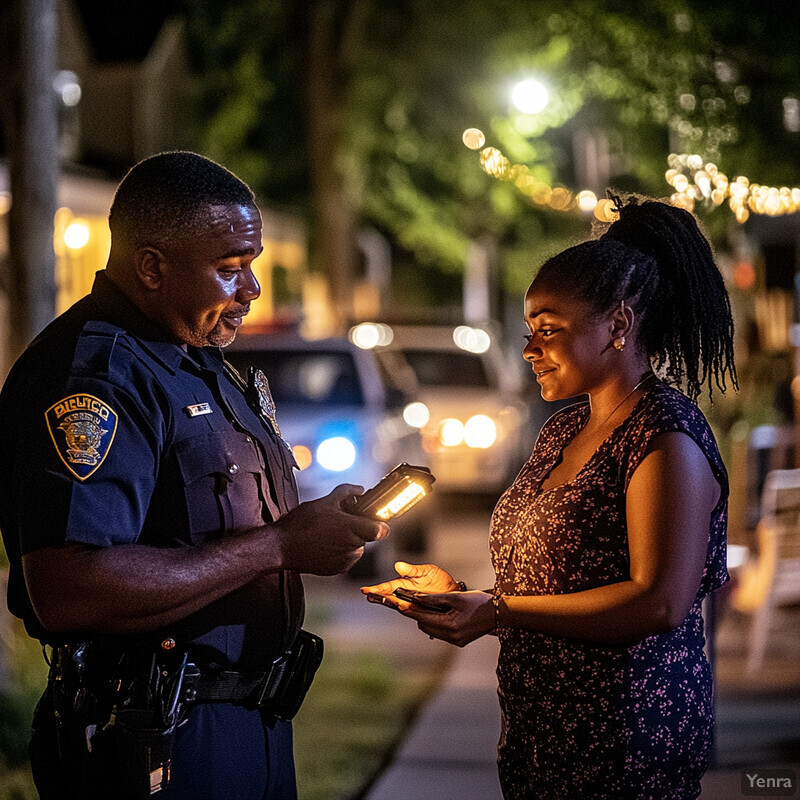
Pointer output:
x,y
277,692
290,677
139,746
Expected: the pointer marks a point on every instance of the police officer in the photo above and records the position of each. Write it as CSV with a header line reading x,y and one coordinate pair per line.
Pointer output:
x,y
148,505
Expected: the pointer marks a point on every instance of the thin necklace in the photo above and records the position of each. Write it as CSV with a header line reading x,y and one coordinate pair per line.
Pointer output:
x,y
622,402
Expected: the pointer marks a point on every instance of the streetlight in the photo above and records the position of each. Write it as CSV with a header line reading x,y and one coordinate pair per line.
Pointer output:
x,y
530,96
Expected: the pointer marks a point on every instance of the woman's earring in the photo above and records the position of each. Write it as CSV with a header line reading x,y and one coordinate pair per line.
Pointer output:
x,y
619,343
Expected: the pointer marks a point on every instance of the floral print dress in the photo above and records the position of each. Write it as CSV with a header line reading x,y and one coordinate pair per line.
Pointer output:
x,y
584,720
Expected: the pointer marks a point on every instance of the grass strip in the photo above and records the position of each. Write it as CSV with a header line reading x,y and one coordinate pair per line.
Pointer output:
x,y
353,718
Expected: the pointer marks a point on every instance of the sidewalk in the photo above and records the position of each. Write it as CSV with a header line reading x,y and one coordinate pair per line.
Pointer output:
x,y
450,752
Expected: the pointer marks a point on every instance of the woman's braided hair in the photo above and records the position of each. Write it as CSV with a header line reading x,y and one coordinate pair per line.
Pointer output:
x,y
656,260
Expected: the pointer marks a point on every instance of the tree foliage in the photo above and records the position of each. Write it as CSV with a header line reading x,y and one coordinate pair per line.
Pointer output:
x,y
404,78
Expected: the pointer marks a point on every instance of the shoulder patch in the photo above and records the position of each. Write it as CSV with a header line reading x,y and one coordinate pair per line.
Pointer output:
x,y
82,429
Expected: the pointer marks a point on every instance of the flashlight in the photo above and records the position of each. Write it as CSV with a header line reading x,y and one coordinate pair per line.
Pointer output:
x,y
395,493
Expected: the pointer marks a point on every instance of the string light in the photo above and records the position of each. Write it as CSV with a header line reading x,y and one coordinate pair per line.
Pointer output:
x,y
557,198
494,163
697,182
473,138
694,181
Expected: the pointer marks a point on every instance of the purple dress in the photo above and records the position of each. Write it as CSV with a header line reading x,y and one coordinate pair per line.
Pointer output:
x,y
584,720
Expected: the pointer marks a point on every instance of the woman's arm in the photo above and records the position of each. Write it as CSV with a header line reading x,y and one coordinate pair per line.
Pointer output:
x,y
668,507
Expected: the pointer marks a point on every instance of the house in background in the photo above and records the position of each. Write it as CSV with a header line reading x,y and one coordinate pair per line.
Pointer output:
x,y
120,102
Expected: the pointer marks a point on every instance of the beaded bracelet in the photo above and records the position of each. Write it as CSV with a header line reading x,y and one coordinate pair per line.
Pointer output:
x,y
462,587
496,603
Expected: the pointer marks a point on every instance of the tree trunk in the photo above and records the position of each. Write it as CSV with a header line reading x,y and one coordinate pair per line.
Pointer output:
x,y
334,217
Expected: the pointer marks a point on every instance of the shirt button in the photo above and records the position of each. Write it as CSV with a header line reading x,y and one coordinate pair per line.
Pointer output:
x,y
233,468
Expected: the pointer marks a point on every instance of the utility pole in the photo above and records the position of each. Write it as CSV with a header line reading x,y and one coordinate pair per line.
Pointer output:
x,y
31,129
30,124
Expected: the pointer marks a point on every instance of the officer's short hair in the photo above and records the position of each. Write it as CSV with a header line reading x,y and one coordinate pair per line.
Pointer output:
x,y
166,198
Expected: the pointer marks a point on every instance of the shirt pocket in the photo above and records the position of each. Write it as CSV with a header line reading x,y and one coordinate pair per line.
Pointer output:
x,y
221,477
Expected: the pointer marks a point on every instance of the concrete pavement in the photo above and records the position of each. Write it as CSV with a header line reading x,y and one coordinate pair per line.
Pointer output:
x,y
449,754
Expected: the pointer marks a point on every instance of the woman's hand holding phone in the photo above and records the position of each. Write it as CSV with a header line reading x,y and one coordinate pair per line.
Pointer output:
x,y
419,599
417,578
449,614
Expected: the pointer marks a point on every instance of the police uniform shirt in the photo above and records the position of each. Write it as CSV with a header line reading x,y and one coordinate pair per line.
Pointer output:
x,y
114,435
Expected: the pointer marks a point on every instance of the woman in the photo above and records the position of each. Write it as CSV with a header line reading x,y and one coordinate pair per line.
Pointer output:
x,y
614,530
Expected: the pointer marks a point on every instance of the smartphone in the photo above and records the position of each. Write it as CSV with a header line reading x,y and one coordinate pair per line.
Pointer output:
x,y
418,599
393,495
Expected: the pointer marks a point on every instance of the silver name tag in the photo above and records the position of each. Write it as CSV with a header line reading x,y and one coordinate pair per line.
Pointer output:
x,y
199,410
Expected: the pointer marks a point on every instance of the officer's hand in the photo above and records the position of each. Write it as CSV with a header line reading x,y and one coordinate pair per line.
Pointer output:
x,y
322,539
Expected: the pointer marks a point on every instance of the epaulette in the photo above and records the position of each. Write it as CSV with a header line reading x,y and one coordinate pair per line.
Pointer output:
x,y
95,348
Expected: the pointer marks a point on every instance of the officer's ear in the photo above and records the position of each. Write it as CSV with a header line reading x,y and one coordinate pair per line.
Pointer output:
x,y
149,265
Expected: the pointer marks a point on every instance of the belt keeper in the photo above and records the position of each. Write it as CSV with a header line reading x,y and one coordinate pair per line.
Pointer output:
x,y
271,681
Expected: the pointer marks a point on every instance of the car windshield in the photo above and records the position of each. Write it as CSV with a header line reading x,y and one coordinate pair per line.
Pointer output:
x,y
308,379
446,368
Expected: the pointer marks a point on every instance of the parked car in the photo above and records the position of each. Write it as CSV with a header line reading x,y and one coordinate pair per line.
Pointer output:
x,y
332,407
343,424
463,400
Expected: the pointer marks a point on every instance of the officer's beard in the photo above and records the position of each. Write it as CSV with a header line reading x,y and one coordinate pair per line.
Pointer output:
x,y
221,335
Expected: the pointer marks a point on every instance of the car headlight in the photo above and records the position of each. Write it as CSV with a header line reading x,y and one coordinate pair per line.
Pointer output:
x,y
480,431
473,340
451,432
336,454
371,334
416,415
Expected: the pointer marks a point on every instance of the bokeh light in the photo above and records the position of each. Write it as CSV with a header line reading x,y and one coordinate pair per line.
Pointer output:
x,y
302,455
495,163
587,201
480,431
473,138
744,275
367,335
416,415
473,340
695,181
336,454
76,235
451,432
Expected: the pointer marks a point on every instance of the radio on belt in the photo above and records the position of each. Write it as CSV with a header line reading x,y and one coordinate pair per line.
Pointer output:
x,y
395,493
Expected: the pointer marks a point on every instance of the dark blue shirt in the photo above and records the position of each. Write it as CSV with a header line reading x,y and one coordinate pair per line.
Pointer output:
x,y
115,435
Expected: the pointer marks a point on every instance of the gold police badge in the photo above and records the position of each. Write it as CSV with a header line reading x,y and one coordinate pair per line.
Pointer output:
x,y
79,426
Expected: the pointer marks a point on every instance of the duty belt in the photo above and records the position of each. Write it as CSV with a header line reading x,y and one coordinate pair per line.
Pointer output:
x,y
279,691
229,686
